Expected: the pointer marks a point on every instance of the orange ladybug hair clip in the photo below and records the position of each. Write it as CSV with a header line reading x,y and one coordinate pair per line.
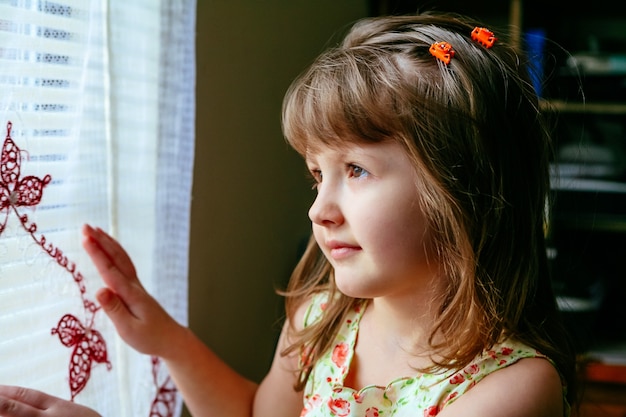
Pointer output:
x,y
442,51
484,37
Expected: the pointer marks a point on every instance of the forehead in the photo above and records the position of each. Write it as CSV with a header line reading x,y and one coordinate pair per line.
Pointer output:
x,y
388,152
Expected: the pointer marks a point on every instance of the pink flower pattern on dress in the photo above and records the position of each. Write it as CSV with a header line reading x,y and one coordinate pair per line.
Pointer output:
x,y
339,407
372,412
471,370
310,403
423,395
431,411
340,353
506,351
457,379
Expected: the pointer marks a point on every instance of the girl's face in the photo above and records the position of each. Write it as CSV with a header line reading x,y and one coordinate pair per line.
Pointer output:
x,y
368,221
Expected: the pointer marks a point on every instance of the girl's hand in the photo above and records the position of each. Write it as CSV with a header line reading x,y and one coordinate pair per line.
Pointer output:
x,y
138,317
25,402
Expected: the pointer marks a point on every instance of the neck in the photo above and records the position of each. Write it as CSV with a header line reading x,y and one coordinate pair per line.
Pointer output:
x,y
403,322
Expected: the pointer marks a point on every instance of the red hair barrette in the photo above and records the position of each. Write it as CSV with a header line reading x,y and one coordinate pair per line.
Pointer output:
x,y
442,51
484,37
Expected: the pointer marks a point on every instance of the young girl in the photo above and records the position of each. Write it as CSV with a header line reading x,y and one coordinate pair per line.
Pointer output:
x,y
424,290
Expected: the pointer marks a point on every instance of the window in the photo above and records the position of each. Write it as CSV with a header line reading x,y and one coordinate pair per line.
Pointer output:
x,y
96,124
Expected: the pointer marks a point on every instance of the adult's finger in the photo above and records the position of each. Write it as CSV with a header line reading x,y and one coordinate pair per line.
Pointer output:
x,y
22,402
25,402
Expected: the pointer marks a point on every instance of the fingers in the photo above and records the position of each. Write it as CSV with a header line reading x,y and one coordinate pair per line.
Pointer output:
x,y
138,318
101,246
26,402
113,306
126,323
22,402
113,264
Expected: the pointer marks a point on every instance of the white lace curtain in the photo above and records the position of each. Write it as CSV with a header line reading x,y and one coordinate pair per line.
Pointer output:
x,y
96,126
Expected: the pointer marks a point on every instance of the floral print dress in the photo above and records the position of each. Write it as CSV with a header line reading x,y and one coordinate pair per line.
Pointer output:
x,y
423,395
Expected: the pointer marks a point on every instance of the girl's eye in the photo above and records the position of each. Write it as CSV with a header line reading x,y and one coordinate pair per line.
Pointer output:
x,y
357,172
315,177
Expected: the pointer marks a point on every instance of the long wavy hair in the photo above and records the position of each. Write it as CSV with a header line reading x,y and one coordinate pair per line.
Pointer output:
x,y
476,135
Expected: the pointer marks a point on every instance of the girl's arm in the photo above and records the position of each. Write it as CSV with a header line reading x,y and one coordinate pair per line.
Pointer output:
x,y
208,385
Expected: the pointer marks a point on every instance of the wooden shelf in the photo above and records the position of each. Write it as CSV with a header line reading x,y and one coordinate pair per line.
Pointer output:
x,y
562,106
605,373
604,390
602,400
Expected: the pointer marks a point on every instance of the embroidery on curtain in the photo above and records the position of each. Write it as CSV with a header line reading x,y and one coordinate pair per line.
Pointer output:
x,y
164,403
88,345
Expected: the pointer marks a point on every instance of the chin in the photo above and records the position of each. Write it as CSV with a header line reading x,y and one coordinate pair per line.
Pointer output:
x,y
356,289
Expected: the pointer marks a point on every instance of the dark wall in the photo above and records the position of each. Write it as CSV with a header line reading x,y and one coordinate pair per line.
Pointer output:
x,y
250,193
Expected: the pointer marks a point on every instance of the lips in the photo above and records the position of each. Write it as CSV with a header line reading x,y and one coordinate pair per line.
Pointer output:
x,y
341,250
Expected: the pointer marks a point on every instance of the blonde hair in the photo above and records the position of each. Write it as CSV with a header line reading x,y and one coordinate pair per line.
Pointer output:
x,y
481,148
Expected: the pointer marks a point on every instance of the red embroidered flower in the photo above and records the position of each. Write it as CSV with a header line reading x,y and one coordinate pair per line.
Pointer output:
x,y
89,346
431,411
340,354
339,407
16,192
164,403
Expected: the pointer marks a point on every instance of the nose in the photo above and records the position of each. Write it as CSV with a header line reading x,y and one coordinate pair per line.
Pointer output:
x,y
326,210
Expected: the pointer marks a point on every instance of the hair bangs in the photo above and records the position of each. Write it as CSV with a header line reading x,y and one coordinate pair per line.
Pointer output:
x,y
340,99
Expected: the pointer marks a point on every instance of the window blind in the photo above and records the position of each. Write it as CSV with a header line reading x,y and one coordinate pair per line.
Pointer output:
x,y
96,122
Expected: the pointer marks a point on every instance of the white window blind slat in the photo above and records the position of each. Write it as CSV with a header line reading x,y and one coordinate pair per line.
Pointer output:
x,y
15,17
18,72
48,50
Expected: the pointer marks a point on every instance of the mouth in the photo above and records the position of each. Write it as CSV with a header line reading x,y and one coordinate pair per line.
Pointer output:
x,y
341,250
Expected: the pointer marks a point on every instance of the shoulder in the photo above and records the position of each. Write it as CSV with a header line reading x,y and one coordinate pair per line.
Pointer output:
x,y
530,387
276,394
307,311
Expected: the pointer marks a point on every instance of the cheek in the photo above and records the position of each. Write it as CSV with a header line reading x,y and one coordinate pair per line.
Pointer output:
x,y
402,235
318,234
398,231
